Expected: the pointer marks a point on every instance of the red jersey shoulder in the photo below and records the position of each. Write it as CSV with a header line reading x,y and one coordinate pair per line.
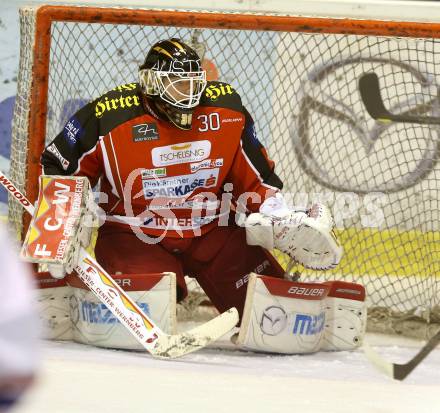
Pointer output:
x,y
110,110
123,98
220,94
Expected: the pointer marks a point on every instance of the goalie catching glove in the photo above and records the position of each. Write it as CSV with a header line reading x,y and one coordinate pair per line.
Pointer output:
x,y
305,236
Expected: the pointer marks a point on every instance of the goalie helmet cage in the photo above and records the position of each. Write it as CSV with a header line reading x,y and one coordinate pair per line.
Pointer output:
x,y
298,76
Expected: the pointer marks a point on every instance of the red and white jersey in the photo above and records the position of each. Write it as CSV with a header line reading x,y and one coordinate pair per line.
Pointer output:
x,y
156,176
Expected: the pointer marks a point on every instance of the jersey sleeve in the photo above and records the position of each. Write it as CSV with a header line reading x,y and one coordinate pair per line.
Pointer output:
x,y
76,150
73,151
252,170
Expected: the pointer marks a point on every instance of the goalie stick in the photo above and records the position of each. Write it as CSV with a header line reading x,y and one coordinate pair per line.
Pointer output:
x,y
370,93
142,327
400,371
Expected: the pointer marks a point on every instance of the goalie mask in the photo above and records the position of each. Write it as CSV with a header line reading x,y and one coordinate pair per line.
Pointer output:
x,y
173,77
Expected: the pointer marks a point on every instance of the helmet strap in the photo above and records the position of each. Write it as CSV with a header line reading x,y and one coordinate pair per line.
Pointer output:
x,y
149,106
181,118
156,107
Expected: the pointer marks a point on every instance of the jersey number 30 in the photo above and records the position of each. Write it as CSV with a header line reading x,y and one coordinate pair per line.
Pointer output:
x,y
209,122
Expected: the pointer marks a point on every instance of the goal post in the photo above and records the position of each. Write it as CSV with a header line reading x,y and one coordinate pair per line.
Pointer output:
x,y
299,78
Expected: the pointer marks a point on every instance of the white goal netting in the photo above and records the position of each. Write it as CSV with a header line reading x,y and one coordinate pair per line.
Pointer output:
x,y
381,180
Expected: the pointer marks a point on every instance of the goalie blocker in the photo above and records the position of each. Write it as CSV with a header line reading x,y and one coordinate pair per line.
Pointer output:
x,y
64,217
282,316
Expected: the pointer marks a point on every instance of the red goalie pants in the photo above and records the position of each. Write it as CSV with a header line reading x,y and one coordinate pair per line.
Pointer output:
x,y
220,260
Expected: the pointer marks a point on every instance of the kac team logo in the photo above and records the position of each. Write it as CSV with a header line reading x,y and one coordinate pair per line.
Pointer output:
x,y
273,320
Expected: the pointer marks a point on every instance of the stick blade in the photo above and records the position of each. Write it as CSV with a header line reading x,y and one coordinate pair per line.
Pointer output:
x,y
369,90
370,94
382,365
401,371
173,346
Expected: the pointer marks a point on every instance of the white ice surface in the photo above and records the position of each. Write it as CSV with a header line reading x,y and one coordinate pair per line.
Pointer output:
x,y
75,378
